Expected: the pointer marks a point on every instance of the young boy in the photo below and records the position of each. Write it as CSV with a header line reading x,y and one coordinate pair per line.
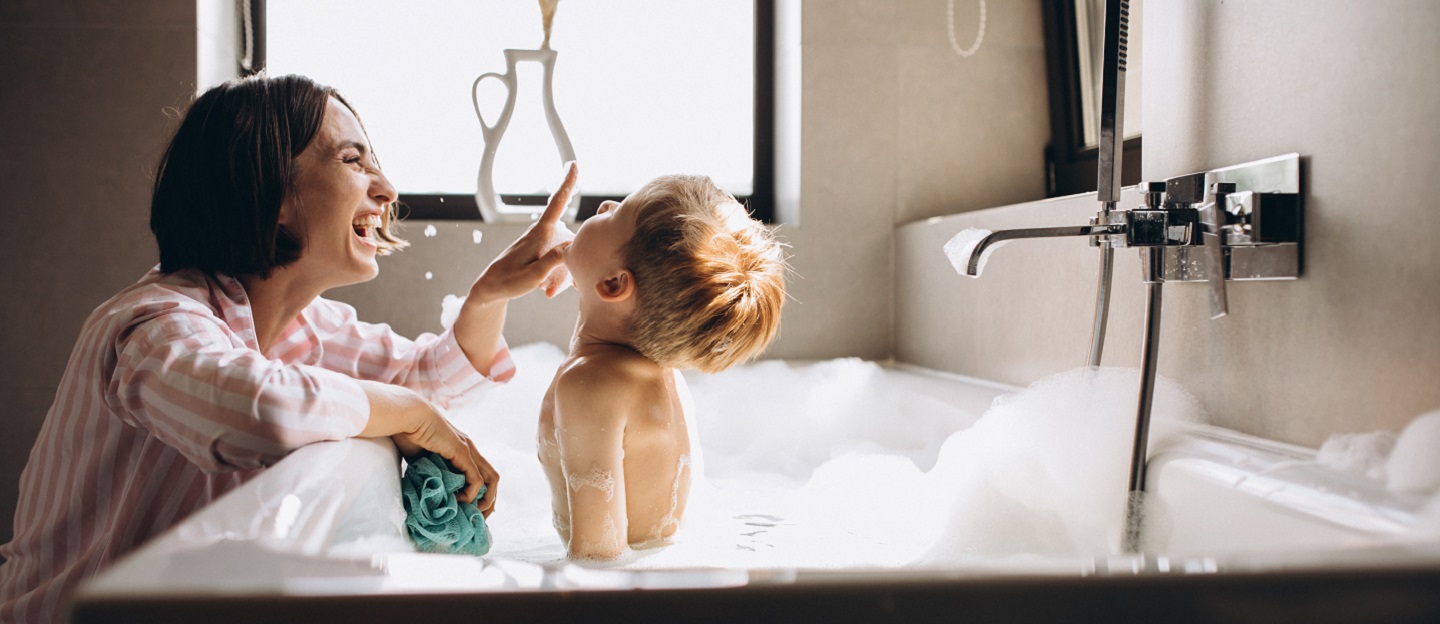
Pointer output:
x,y
677,276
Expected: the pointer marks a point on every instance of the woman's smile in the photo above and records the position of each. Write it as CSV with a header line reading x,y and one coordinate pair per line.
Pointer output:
x,y
365,227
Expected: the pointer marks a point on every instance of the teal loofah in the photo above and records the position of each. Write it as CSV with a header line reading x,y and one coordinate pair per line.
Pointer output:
x,y
434,518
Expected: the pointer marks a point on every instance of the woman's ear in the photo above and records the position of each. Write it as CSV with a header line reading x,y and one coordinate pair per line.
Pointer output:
x,y
617,287
287,212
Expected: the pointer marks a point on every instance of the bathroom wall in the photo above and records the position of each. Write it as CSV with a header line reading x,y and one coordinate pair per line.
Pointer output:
x,y
1352,346
894,127
82,122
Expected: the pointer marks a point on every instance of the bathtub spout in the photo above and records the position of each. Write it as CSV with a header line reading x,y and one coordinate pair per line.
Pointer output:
x,y
972,268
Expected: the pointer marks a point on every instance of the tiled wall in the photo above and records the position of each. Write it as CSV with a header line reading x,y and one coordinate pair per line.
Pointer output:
x,y
1354,345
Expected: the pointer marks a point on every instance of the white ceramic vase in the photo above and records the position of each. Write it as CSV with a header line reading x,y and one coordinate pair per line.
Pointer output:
x,y
492,208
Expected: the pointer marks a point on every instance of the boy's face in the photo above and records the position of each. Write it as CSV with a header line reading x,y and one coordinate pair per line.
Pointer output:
x,y
594,255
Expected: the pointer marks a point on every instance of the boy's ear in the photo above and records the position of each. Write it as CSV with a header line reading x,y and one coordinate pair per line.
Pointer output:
x,y
617,287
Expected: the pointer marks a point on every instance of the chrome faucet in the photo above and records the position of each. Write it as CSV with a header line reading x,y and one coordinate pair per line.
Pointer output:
x,y
972,267
1199,227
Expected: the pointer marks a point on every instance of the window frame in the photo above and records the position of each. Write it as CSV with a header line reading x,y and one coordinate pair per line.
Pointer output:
x,y
1070,166
461,207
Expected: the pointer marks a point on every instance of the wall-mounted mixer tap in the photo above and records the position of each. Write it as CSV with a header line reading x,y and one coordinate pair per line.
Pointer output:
x,y
1236,223
1206,228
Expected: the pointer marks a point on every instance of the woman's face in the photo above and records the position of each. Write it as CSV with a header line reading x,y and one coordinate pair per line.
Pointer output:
x,y
337,202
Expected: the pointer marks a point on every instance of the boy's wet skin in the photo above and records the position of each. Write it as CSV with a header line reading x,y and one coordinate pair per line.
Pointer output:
x,y
675,277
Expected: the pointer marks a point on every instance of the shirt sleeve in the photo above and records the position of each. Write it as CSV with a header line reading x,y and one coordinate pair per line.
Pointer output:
x,y
183,376
432,365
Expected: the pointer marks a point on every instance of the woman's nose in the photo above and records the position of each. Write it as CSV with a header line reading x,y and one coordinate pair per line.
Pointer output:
x,y
381,189
606,205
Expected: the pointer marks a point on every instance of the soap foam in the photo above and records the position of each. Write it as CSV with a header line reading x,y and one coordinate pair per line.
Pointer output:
x,y
1359,454
681,468
596,478
834,464
1043,472
1414,463
609,533
1406,463
450,310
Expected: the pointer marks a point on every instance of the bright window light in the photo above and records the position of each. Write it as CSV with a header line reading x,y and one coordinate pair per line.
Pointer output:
x,y
643,87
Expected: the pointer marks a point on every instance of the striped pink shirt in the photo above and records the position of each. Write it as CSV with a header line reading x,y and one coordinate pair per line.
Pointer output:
x,y
168,403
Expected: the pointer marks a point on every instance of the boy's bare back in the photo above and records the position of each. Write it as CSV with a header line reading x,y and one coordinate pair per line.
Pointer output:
x,y
615,446
675,277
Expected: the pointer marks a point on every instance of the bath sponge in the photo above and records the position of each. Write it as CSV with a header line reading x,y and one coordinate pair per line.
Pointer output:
x,y
435,519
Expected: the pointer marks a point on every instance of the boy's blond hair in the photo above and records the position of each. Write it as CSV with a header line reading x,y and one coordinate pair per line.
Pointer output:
x,y
710,280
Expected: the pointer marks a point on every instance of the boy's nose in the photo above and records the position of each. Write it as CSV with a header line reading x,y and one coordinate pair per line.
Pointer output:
x,y
606,205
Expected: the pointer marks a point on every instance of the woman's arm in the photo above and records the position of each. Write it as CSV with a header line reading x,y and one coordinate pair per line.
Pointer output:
x,y
414,425
434,366
181,376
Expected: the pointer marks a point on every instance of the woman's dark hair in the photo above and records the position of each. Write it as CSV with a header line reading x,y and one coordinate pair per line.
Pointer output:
x,y
220,184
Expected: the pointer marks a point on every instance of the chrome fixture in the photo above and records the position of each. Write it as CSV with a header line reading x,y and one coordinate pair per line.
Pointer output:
x,y
1110,153
1236,223
1239,223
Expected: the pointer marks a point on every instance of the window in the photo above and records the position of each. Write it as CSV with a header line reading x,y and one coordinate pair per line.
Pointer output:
x,y
642,88
1074,41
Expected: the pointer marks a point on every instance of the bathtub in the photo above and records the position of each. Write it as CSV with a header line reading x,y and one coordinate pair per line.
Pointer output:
x,y
1242,529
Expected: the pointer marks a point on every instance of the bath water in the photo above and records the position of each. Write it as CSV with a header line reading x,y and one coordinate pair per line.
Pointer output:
x,y
833,464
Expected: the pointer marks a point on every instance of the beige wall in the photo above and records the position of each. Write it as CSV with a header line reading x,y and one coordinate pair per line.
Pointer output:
x,y
1352,346
82,90
894,127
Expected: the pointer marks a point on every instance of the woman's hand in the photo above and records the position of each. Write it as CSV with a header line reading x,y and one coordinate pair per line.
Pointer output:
x,y
534,259
416,426
437,435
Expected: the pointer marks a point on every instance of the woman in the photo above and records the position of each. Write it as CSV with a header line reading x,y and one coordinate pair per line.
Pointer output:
x,y
225,358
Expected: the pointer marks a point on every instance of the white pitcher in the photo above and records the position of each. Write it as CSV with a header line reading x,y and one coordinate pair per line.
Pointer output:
x,y
492,208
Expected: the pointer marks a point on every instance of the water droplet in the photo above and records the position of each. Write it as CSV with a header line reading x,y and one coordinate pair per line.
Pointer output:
x,y
477,236
430,231
429,275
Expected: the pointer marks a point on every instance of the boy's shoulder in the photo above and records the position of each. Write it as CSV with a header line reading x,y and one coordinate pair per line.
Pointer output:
x,y
613,366
608,381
